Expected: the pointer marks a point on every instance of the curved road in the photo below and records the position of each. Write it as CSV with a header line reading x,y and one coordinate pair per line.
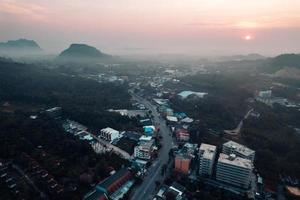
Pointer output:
x,y
146,190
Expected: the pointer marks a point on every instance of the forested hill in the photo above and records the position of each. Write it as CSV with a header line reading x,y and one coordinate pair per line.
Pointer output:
x,y
81,99
283,61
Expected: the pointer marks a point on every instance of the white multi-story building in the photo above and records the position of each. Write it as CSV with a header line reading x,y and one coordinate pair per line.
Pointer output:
x,y
207,155
265,94
144,150
109,134
239,150
234,170
265,97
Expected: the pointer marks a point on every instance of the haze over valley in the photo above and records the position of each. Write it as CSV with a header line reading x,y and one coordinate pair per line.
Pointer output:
x,y
150,100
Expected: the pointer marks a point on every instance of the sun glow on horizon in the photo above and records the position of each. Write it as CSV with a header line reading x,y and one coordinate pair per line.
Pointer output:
x,y
248,37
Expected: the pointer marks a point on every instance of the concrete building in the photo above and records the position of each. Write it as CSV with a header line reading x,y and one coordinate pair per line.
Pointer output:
x,y
144,150
182,163
207,155
109,134
265,94
184,158
234,170
182,135
265,97
239,150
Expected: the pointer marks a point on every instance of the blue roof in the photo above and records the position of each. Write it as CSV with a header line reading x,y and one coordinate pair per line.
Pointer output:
x,y
148,130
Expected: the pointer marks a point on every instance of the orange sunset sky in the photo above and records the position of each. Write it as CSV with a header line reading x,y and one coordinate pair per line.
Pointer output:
x,y
197,27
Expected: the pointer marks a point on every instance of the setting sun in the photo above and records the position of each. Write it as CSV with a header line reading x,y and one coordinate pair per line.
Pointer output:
x,y
248,37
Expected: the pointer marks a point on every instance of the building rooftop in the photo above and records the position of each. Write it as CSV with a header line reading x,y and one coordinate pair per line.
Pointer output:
x,y
161,101
187,151
239,148
172,119
146,144
145,138
232,159
208,150
132,135
110,130
185,94
113,178
94,195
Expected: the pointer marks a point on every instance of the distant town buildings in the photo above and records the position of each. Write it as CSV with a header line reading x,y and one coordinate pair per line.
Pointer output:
x,y
267,98
207,155
234,170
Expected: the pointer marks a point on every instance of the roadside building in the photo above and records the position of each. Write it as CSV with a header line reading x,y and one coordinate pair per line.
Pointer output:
x,y
149,130
107,187
146,122
182,135
182,163
184,158
172,119
207,155
144,150
234,170
239,150
109,134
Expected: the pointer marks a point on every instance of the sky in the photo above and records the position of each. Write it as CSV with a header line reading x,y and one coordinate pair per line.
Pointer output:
x,y
196,27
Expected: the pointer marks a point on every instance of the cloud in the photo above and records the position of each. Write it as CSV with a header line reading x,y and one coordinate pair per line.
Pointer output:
x,y
32,11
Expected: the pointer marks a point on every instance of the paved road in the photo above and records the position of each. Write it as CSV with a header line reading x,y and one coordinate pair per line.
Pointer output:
x,y
146,190
237,130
